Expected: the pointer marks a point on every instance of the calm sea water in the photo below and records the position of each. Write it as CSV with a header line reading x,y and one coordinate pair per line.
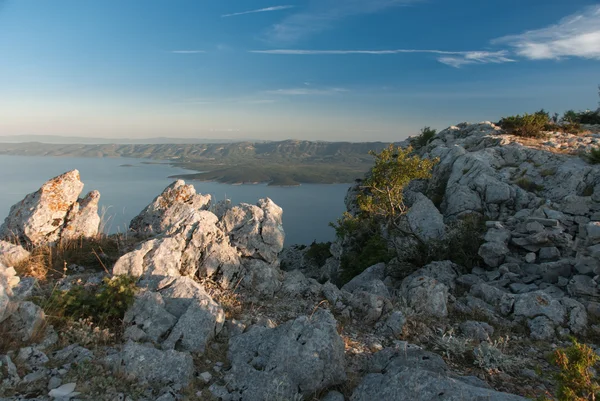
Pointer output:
x,y
125,191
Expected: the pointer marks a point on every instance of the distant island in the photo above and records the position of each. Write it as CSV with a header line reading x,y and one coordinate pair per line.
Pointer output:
x,y
282,163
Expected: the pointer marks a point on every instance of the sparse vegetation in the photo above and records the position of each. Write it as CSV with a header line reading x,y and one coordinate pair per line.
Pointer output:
x,y
576,379
104,304
426,136
383,188
319,252
529,185
527,125
371,250
593,157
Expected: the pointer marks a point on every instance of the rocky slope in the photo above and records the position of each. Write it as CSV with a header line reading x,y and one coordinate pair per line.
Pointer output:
x,y
216,317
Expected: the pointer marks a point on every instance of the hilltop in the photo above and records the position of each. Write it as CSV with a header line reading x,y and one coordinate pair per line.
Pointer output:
x,y
493,267
290,162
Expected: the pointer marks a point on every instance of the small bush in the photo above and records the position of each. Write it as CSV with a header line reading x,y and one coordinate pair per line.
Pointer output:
x,y
319,252
366,253
426,136
576,381
105,305
529,185
582,117
491,356
527,125
594,156
394,169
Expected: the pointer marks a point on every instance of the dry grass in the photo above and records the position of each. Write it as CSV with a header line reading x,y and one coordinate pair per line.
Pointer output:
x,y
98,253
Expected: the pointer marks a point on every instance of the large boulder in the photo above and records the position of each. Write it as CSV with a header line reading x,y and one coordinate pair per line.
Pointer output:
x,y
425,220
8,280
52,213
11,254
151,365
178,309
296,359
416,375
172,207
425,295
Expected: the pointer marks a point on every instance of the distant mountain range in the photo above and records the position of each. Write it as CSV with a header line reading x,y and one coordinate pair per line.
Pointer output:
x,y
289,162
65,140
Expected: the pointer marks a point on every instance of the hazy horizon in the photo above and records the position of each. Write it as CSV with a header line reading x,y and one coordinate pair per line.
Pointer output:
x,y
332,70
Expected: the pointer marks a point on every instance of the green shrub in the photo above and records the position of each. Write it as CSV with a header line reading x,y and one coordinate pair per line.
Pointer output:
x,y
368,253
319,252
426,136
346,226
527,125
105,304
394,168
582,117
594,156
576,381
529,185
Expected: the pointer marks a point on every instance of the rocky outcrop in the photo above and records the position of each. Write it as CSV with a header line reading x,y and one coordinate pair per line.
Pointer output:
x,y
298,358
53,213
414,374
242,246
11,254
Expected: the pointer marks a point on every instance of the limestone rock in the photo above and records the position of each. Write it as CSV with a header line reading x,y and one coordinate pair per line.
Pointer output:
x,y
11,254
173,207
425,295
300,357
539,303
421,376
425,220
493,253
41,217
151,365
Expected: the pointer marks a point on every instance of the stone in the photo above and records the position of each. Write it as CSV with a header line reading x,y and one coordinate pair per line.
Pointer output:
x,y
425,295
538,303
298,358
394,324
148,364
549,253
530,257
479,331
583,287
425,220
173,207
417,375
333,396
497,235
369,307
541,328
149,316
41,217
375,272
493,253
576,314
11,254
27,320
592,230
256,230
83,220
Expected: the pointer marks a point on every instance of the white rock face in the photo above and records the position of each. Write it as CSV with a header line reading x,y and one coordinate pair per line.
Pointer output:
x,y
11,254
8,280
240,247
425,220
53,212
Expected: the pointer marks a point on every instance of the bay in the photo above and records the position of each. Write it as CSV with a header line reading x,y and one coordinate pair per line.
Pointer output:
x,y
127,185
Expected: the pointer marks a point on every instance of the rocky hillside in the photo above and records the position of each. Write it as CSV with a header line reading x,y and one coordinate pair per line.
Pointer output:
x,y
193,303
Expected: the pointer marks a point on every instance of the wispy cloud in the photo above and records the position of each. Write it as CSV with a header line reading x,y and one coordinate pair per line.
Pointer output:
x,y
322,14
307,91
476,57
188,51
233,100
577,35
260,10
452,58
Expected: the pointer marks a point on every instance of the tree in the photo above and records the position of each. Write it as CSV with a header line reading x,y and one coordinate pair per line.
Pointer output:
x,y
427,134
394,168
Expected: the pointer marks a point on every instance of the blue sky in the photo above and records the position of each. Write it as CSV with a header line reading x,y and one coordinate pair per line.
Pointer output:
x,y
308,69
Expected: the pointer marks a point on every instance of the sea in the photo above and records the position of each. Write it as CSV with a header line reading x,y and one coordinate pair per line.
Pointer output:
x,y
127,185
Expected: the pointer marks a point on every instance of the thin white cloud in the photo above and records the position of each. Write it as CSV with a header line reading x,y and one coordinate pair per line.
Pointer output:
x,y
238,100
452,58
476,57
260,10
320,15
307,91
188,51
577,35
